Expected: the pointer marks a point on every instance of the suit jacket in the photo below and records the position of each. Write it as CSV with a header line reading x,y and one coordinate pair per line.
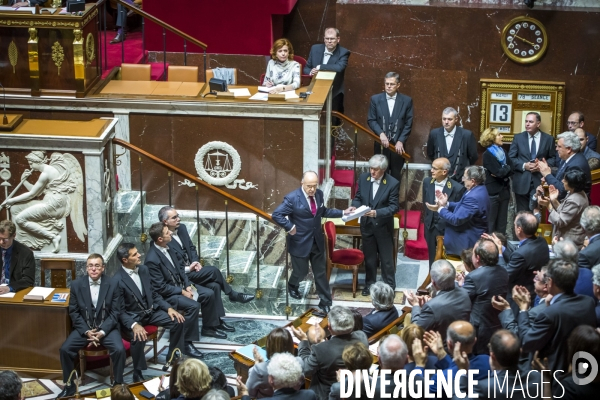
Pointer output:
x,y
592,141
497,176
293,394
167,279
461,154
589,153
466,220
134,302
188,245
590,256
105,316
565,219
500,385
390,387
455,192
308,226
520,153
446,307
337,63
577,161
22,267
322,360
258,380
380,120
482,284
373,322
520,262
549,332
386,201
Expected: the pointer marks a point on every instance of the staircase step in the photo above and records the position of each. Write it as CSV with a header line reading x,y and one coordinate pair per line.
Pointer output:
x,y
270,281
241,265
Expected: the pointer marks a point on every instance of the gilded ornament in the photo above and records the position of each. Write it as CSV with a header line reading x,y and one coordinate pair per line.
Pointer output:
x,y
90,48
259,294
58,55
13,55
229,278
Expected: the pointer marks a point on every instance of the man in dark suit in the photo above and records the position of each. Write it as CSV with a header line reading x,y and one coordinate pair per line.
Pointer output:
x,y
549,332
450,304
121,21
456,144
577,120
522,261
206,276
379,191
323,360
94,307
143,306
390,118
384,311
171,282
527,149
567,149
590,222
300,215
18,263
434,225
466,220
486,281
393,356
330,56
585,148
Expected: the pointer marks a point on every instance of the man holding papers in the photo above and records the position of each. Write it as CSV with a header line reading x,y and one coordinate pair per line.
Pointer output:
x,y
379,191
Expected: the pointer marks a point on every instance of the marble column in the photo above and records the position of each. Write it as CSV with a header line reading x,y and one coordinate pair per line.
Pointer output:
x,y
311,145
123,155
96,213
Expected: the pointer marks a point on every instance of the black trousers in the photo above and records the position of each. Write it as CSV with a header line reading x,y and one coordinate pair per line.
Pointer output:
x,y
378,245
69,351
190,309
431,235
319,267
210,283
498,215
122,14
396,161
158,318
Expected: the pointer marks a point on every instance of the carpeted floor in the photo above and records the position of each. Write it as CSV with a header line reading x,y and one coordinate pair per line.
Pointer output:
x,y
132,50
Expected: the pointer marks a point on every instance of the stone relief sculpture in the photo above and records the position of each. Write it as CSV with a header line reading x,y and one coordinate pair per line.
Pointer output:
x,y
40,222
107,198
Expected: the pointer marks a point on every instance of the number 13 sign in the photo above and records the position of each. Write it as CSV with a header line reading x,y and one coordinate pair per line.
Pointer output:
x,y
505,103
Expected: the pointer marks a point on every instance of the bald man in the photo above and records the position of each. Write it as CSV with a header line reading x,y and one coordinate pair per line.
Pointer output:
x,y
575,121
315,334
585,149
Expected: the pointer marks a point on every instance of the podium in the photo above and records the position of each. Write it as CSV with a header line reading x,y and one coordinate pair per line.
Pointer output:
x,y
49,54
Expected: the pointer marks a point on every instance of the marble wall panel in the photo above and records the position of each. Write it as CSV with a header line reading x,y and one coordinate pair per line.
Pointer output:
x,y
64,115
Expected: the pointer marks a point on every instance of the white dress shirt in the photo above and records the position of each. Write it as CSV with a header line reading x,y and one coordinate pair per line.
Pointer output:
x,y
391,102
530,138
134,275
177,238
95,290
165,251
449,136
376,184
440,185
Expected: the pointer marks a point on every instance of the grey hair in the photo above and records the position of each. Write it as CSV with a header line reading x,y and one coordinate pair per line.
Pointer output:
x,y
590,219
162,213
382,296
378,161
309,172
571,140
477,173
216,394
393,75
443,274
449,110
10,385
566,250
285,370
596,274
341,319
393,353
331,28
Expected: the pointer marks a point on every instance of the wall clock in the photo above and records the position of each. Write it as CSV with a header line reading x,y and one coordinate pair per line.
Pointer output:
x,y
524,40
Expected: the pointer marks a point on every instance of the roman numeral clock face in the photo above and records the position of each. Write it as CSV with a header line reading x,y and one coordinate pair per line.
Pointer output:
x,y
524,40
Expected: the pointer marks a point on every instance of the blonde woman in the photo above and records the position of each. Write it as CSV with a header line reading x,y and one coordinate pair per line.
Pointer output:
x,y
283,73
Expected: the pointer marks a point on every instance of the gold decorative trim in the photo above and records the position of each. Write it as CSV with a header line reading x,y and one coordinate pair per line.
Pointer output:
x,y
89,17
36,23
90,48
58,55
13,55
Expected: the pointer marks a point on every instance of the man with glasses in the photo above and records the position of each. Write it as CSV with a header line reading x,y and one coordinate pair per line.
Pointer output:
x,y
585,148
390,118
18,263
576,120
94,306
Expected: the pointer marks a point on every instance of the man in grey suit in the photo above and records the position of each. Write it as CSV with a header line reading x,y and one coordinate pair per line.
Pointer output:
x,y
526,151
453,142
590,222
390,118
450,304
323,360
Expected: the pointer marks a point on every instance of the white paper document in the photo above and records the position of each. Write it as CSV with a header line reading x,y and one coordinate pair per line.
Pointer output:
x,y
8,295
264,89
240,92
260,96
153,385
359,212
290,94
289,329
314,320
41,291
326,75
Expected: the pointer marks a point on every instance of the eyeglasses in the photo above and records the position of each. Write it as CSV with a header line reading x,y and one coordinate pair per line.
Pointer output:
x,y
572,122
330,39
94,266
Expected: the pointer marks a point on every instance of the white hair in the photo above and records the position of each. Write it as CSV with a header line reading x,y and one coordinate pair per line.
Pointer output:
x,y
285,370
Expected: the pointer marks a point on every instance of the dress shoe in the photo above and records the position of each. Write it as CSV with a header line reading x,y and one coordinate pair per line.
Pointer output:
x,y
325,308
241,298
137,376
366,291
213,332
67,391
191,351
119,38
225,327
294,292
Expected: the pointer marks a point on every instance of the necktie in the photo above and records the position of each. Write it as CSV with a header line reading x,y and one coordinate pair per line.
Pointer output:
x,y
561,170
3,280
533,149
313,205
328,53
449,134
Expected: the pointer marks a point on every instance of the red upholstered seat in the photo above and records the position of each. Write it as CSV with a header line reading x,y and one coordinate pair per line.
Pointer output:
x,y
417,249
347,256
151,329
595,195
413,220
348,259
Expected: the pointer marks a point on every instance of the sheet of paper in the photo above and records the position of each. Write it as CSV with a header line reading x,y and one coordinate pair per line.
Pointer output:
x,y
326,75
290,94
240,92
296,340
314,320
264,89
153,385
8,295
18,9
41,291
374,348
359,212
260,96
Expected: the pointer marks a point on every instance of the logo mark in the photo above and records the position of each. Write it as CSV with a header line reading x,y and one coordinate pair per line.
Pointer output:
x,y
580,367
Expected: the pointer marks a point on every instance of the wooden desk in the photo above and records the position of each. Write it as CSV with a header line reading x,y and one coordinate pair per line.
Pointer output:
x,y
153,88
32,333
242,365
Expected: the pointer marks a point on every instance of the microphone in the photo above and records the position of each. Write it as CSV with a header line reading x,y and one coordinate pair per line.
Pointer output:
x,y
5,118
176,353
